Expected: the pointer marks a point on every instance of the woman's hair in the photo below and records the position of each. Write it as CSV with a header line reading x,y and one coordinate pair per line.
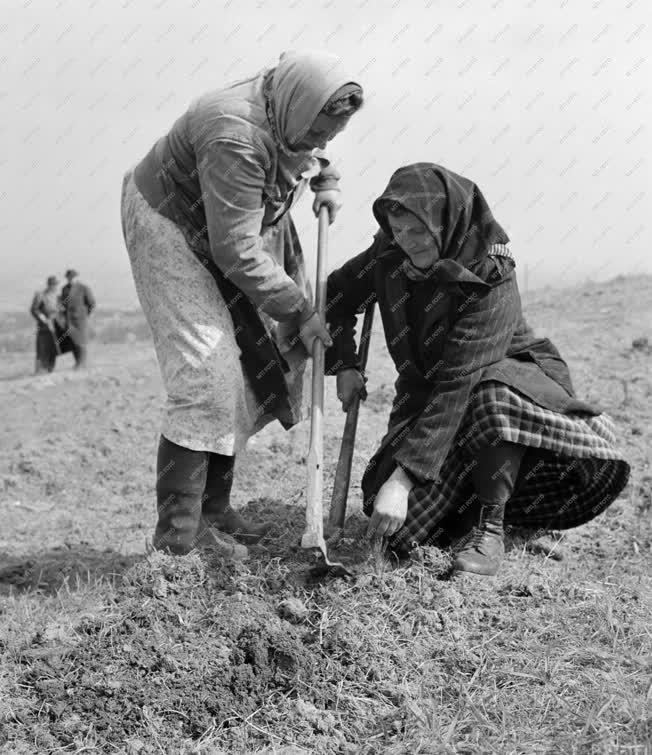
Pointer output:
x,y
346,101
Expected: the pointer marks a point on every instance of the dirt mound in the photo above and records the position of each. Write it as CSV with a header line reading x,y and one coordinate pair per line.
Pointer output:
x,y
187,648
204,656
194,647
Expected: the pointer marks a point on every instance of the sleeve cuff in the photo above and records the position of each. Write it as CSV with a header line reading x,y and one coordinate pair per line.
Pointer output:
x,y
341,355
412,469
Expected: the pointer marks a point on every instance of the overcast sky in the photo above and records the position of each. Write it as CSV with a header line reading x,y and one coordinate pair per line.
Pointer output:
x,y
545,104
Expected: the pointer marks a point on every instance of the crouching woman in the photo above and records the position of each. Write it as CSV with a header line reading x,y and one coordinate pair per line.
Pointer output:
x,y
485,427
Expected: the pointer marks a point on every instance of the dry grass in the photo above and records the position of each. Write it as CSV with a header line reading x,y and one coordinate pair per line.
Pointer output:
x,y
193,655
107,648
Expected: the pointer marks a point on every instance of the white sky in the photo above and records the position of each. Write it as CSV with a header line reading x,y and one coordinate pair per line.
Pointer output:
x,y
546,105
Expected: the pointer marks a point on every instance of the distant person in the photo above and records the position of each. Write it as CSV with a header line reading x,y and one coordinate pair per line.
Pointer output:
x,y
77,302
485,428
44,309
221,278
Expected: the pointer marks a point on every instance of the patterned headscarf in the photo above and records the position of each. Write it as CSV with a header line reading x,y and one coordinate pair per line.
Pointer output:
x,y
454,211
302,83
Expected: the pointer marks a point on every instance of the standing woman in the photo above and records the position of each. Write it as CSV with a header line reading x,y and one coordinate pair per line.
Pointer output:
x,y
220,276
485,427
45,309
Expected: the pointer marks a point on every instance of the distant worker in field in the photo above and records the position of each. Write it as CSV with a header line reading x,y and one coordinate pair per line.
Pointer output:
x,y
77,303
485,429
220,275
44,309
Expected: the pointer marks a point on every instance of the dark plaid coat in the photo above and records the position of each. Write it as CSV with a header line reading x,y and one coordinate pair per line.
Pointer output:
x,y
445,334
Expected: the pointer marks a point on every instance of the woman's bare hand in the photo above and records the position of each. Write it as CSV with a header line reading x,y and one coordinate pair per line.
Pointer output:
x,y
329,197
311,329
350,384
390,506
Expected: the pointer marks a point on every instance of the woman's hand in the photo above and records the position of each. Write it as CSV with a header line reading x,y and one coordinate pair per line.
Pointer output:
x,y
390,506
313,328
350,384
330,198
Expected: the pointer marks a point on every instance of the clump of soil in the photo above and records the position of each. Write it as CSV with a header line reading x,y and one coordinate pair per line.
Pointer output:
x,y
293,610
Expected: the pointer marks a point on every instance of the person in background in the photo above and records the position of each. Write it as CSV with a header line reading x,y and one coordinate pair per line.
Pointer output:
x,y
221,278
485,428
77,303
44,309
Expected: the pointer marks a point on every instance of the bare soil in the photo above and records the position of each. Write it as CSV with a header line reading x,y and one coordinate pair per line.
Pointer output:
x,y
108,647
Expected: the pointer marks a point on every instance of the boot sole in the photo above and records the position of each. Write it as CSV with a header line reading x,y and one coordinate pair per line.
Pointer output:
x,y
457,572
248,538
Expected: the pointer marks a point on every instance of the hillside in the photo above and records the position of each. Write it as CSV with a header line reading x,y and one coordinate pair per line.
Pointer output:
x,y
106,326
104,647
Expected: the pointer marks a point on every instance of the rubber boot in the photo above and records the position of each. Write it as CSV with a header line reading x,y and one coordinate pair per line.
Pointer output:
x,y
485,549
216,508
221,543
180,482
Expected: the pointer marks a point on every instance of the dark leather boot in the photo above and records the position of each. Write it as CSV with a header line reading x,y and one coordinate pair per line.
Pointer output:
x,y
484,550
180,482
458,525
216,508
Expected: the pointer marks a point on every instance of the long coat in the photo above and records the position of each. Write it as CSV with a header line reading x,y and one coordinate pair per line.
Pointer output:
x,y
45,303
444,337
78,302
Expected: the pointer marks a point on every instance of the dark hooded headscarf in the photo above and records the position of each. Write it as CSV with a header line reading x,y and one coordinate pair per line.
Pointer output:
x,y
455,213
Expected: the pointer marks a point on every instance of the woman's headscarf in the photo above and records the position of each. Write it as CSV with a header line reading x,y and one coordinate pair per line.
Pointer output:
x,y
302,84
453,210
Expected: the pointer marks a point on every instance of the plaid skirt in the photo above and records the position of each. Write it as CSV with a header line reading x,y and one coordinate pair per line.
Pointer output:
x,y
571,472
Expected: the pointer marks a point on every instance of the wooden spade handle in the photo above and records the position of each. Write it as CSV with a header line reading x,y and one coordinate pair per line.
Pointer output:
x,y
343,472
313,536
